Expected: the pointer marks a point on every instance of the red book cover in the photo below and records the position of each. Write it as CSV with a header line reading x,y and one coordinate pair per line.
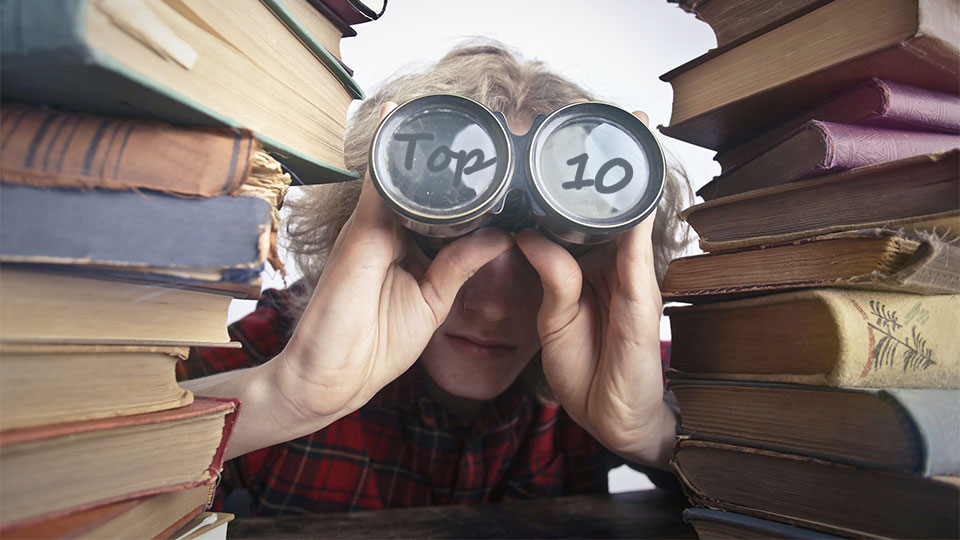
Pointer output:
x,y
875,103
29,505
818,148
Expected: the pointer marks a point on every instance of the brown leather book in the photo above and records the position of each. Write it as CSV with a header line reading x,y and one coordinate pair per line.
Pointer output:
x,y
48,148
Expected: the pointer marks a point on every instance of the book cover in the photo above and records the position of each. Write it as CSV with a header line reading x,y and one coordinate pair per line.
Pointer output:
x,y
920,193
909,430
51,471
724,96
831,497
154,516
355,11
736,21
50,384
874,102
132,229
44,147
870,259
65,307
112,69
818,148
711,523
828,337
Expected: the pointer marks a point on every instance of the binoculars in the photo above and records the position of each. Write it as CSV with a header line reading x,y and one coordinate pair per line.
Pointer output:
x,y
446,165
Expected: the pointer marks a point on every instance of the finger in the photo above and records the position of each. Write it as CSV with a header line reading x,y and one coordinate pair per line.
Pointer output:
x,y
455,263
635,263
560,276
643,117
371,212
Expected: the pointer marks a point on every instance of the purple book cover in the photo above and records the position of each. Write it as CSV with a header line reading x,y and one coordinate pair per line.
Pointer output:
x,y
909,107
847,146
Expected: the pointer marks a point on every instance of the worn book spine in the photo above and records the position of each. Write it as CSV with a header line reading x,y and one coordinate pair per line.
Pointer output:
x,y
43,147
911,41
921,264
837,147
128,229
925,416
861,198
44,51
879,339
840,499
200,408
875,102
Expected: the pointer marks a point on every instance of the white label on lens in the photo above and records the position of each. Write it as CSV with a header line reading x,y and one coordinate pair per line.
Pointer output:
x,y
593,170
440,161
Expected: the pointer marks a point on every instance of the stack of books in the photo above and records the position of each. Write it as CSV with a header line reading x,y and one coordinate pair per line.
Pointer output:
x,y
140,195
817,370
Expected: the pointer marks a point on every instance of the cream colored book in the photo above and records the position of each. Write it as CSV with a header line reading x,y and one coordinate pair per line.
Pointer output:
x,y
51,384
830,337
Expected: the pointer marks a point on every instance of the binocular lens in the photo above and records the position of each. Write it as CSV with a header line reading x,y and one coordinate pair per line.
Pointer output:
x,y
445,165
440,163
591,170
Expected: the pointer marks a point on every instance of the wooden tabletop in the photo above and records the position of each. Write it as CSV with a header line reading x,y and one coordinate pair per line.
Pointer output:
x,y
638,514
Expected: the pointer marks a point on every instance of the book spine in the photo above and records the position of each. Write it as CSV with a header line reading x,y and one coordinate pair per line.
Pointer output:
x,y
895,340
933,416
911,108
130,229
848,146
43,147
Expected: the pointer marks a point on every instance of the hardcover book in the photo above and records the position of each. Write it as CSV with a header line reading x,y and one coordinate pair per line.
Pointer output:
x,y
46,307
829,337
910,430
729,95
920,194
51,471
43,147
875,102
187,63
52,384
832,497
155,516
872,259
818,148
135,230
718,524
735,21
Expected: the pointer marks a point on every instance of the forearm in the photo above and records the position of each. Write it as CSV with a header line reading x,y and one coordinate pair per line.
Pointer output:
x,y
267,414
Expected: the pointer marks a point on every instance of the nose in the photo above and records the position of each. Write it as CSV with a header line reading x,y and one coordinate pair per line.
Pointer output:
x,y
502,289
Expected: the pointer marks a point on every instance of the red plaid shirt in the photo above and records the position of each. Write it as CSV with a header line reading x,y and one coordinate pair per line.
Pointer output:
x,y
401,448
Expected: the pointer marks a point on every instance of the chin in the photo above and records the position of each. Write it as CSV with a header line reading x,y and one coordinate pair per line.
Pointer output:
x,y
473,376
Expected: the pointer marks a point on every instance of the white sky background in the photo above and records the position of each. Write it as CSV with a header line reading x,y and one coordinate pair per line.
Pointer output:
x,y
616,49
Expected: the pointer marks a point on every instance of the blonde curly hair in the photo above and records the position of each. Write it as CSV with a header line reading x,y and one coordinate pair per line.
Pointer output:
x,y
496,76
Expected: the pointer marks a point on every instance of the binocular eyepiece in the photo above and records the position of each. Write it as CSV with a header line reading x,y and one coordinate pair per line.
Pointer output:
x,y
447,165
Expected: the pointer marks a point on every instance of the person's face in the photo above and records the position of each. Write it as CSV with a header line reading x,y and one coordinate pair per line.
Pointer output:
x,y
491,332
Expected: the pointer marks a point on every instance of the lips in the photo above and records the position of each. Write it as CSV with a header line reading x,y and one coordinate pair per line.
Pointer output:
x,y
479,347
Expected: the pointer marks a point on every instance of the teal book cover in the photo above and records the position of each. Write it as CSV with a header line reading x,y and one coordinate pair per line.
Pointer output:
x,y
46,59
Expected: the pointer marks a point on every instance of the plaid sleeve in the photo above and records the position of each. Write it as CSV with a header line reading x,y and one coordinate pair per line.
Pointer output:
x,y
262,335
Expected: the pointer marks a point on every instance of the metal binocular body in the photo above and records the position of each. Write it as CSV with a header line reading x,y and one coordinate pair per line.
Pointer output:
x,y
447,165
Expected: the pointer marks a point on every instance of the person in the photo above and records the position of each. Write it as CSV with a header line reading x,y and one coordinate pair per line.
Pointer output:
x,y
504,367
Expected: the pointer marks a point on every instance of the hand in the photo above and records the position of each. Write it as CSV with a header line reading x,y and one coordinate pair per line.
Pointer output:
x,y
373,310
600,336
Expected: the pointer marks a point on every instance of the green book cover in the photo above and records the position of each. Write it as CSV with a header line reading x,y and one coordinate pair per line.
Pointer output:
x,y
45,59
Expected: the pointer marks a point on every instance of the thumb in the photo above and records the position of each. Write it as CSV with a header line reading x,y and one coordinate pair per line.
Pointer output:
x,y
456,263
